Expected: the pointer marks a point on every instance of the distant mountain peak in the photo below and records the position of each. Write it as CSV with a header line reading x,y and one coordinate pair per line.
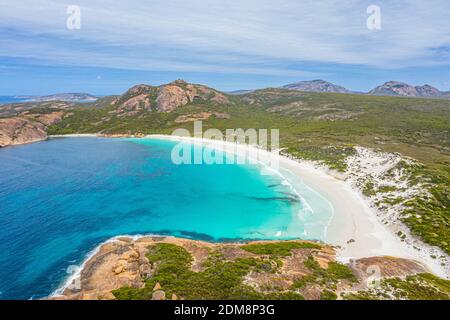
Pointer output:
x,y
398,88
316,86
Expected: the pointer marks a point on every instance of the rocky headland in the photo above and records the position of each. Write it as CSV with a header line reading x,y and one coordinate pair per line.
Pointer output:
x,y
27,127
22,123
153,267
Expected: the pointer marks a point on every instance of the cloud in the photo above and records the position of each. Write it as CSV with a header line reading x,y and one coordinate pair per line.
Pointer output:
x,y
246,36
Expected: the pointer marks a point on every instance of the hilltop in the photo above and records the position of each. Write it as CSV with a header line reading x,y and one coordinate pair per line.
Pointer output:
x,y
316,86
397,88
167,98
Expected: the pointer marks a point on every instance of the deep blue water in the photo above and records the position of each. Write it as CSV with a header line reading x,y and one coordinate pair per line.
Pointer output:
x,y
11,99
61,198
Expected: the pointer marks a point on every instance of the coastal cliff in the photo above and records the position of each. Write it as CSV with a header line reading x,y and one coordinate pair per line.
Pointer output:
x,y
161,268
26,128
20,130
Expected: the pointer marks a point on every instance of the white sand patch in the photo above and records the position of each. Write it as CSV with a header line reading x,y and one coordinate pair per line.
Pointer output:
x,y
381,170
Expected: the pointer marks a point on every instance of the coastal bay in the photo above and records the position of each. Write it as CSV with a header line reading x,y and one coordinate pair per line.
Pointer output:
x,y
63,197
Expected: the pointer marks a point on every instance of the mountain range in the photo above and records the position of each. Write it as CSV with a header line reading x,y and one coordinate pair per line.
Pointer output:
x,y
389,88
396,88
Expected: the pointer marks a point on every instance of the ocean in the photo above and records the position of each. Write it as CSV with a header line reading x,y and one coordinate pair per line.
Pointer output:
x,y
11,99
61,198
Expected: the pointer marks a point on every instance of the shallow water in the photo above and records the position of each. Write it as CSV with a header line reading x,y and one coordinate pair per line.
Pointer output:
x,y
61,198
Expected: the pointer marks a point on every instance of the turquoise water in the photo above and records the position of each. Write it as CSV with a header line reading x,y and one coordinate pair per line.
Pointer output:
x,y
61,198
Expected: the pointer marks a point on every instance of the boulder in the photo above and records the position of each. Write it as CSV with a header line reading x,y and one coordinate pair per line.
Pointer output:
x,y
118,269
157,287
159,295
145,271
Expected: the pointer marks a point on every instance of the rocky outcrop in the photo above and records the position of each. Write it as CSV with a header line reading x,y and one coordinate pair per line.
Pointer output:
x,y
428,91
27,128
120,263
390,88
171,97
179,93
138,103
397,88
20,130
167,98
386,267
316,86
123,262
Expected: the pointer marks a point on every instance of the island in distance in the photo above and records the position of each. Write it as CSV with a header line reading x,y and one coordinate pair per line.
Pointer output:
x,y
70,97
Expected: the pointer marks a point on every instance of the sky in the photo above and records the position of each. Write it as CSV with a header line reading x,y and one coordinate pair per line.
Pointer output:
x,y
228,45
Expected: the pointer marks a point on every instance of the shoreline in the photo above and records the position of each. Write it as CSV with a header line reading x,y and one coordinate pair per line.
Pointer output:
x,y
66,283
124,262
354,226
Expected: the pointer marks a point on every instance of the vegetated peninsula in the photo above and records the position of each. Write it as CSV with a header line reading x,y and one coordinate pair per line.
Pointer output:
x,y
394,150
161,268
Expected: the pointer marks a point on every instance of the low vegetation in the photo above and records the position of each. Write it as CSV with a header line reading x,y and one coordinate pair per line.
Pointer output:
x,y
429,217
222,279
424,286
327,278
278,249
243,276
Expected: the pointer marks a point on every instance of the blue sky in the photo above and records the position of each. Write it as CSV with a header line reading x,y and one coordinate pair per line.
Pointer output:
x,y
229,45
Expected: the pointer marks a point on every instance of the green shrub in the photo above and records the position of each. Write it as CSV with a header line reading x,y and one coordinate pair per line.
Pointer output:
x,y
328,295
280,249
